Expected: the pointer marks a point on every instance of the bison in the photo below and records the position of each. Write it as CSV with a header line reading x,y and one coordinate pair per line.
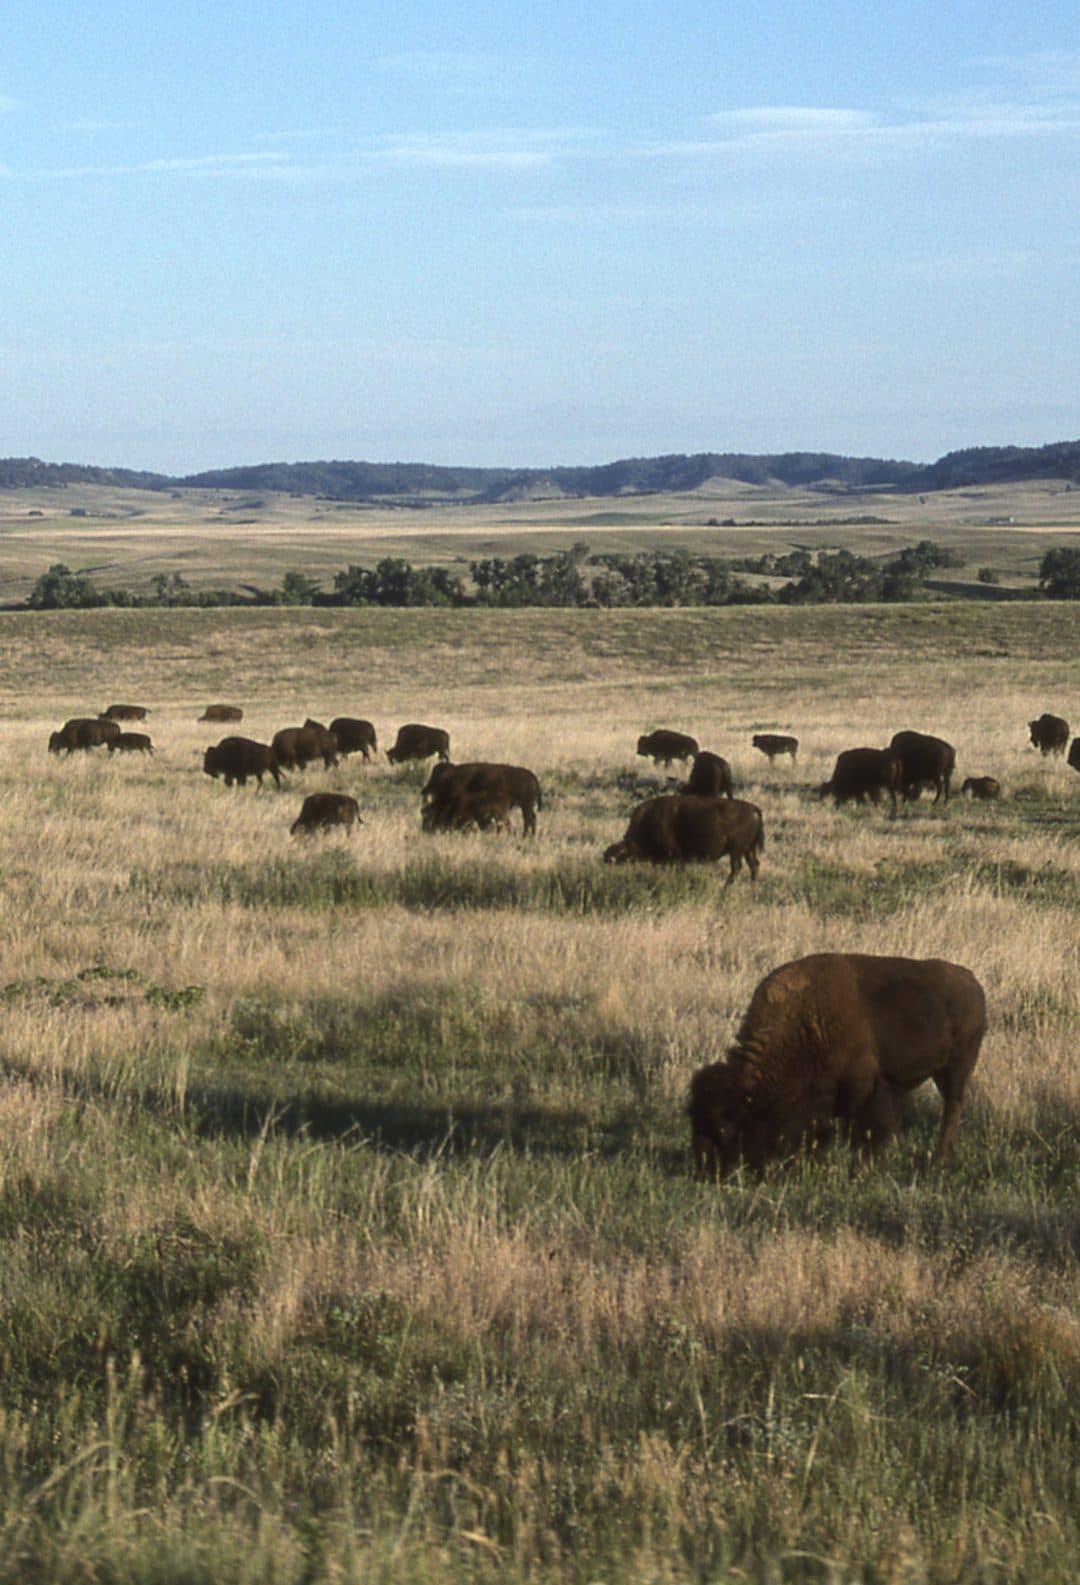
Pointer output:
x,y
710,777
1049,734
663,746
837,1038
237,758
222,712
125,712
296,747
925,761
452,788
131,743
982,787
679,828
1074,753
354,737
419,742
774,743
322,810
83,732
864,773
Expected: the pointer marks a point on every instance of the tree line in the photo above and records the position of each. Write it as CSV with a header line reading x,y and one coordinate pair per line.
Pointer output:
x,y
575,577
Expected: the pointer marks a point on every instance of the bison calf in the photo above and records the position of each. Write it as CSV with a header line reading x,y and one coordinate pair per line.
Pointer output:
x,y
322,810
774,743
838,1038
131,743
678,828
982,787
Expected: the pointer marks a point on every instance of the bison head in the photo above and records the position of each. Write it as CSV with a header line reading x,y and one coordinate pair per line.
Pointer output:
x,y
211,762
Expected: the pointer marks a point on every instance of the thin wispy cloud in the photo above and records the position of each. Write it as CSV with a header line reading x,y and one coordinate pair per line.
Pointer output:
x,y
196,165
484,150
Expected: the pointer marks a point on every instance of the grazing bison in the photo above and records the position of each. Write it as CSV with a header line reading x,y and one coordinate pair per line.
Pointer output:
x,y
662,746
354,737
837,1038
982,787
222,712
322,810
864,773
452,788
1049,734
131,743
1074,753
774,743
482,807
125,712
296,747
925,761
679,828
710,777
237,758
83,732
419,742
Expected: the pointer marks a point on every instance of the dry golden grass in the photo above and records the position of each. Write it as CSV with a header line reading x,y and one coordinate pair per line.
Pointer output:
x,y
380,1256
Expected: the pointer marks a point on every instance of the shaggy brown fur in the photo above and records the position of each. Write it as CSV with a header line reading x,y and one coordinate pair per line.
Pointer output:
x,y
678,828
838,1038
237,758
415,741
322,810
448,785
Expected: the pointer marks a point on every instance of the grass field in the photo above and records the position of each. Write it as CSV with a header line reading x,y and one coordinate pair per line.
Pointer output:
x,y
347,1222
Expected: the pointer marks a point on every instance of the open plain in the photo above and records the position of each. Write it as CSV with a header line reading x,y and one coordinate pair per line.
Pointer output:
x,y
347,1219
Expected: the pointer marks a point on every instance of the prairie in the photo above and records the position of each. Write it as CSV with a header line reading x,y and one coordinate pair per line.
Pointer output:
x,y
348,1223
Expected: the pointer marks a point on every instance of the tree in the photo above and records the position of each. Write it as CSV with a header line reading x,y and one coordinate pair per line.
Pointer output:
x,y
61,589
298,589
1059,574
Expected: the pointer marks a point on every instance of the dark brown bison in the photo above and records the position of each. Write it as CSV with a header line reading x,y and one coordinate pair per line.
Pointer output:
x,y
237,758
83,732
125,712
925,761
131,743
222,712
774,743
861,773
982,787
710,777
1074,753
322,810
837,1038
354,737
1049,734
414,741
297,747
451,787
663,746
679,828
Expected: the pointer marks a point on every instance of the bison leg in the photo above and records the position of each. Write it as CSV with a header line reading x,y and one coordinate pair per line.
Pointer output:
x,y
951,1084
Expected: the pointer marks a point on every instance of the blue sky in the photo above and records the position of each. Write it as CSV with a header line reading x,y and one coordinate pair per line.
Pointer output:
x,y
508,234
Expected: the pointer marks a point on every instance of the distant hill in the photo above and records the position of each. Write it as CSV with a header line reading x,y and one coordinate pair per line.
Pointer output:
x,y
412,483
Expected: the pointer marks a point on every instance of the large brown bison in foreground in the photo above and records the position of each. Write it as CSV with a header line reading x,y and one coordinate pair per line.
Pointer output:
x,y
459,795
663,746
237,758
924,760
710,777
83,732
1049,734
222,712
354,736
838,1038
415,741
679,828
322,810
864,773
774,743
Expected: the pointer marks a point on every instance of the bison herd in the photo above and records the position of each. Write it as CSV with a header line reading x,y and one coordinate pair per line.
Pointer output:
x,y
830,1045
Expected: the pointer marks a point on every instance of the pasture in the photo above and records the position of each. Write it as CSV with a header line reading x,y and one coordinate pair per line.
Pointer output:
x,y
347,1221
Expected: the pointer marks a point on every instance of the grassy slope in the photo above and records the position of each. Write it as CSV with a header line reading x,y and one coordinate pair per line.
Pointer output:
x,y
347,1223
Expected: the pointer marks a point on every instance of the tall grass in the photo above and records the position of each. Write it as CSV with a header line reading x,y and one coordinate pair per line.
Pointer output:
x,y
348,1229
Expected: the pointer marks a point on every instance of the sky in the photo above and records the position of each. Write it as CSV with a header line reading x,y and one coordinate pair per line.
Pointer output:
x,y
520,235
